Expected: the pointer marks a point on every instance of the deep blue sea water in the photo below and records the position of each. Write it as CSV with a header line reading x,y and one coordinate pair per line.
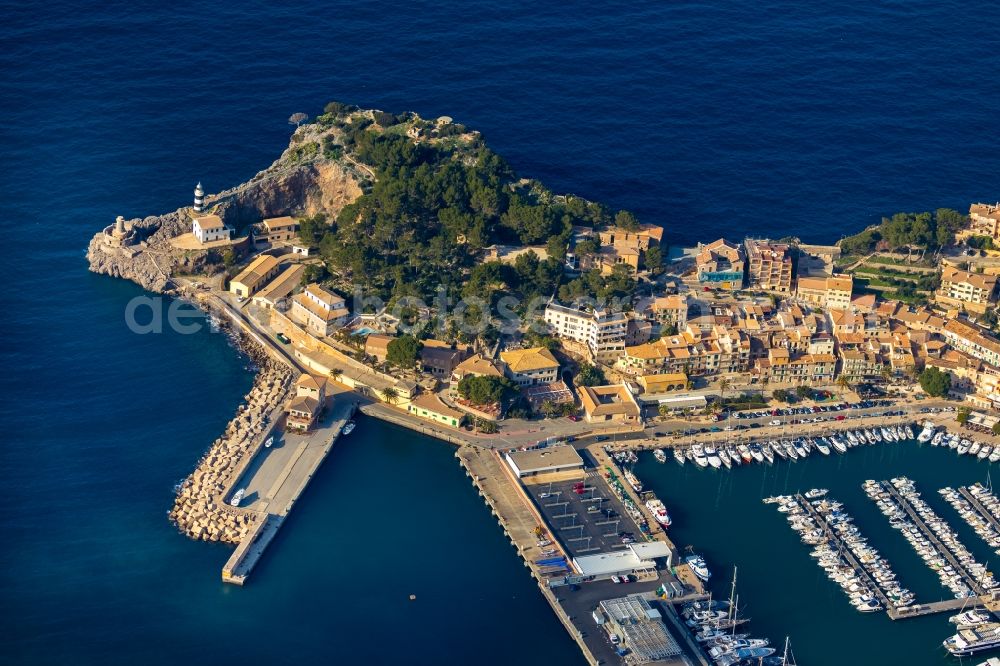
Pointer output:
x,y
708,118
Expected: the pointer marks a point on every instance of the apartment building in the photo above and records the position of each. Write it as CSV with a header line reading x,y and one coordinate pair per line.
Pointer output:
x,y
832,292
973,341
769,265
318,309
973,291
602,331
529,367
984,220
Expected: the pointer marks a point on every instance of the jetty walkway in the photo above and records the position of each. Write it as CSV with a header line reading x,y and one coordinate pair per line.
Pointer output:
x,y
980,509
846,553
942,549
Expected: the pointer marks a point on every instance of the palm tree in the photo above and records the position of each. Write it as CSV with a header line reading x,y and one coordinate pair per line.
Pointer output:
x,y
723,387
886,373
335,373
843,382
390,395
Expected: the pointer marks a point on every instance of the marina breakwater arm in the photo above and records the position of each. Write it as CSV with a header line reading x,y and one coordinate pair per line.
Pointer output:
x,y
199,509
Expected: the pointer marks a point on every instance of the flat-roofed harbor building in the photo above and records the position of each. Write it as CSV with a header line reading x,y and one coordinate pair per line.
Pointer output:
x,y
559,458
640,628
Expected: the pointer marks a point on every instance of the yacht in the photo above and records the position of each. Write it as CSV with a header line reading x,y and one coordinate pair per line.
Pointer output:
x,y
963,447
927,433
837,444
790,450
679,456
937,438
700,458
349,427
974,449
268,442
995,456
822,447
237,497
713,457
972,618
659,511
746,453
633,480
766,452
698,565
976,639
815,493
660,455
985,452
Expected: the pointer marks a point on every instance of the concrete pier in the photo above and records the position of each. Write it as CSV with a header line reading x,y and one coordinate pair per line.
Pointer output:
x,y
284,485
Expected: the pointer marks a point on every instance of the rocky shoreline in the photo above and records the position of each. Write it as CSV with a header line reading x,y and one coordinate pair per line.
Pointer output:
x,y
200,510
140,250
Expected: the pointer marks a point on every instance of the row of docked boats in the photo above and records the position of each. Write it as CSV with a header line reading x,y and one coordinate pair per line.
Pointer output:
x,y
986,498
961,445
715,626
729,456
719,629
935,552
832,537
980,524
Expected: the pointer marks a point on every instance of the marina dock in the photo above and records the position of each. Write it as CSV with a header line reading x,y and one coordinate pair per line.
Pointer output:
x,y
846,553
978,506
942,549
283,489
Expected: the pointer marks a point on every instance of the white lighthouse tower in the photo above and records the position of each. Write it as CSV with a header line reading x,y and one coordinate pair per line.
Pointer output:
x,y
199,198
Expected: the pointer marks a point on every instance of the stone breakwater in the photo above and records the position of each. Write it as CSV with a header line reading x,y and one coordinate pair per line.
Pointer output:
x,y
200,510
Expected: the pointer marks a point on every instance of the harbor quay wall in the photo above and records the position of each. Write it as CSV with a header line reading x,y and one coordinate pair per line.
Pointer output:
x,y
518,519
199,509
406,421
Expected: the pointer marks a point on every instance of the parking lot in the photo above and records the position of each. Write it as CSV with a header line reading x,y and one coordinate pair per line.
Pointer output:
x,y
585,516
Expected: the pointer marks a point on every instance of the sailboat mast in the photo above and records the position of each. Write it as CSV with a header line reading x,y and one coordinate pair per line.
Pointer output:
x,y
784,657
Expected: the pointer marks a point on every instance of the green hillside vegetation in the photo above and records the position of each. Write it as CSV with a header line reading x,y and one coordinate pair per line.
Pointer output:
x,y
923,230
435,205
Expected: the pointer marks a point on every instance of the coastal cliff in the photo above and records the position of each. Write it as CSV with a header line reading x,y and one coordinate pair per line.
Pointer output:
x,y
300,183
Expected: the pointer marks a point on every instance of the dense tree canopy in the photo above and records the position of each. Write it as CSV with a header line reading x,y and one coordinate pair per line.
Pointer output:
x,y
485,390
589,375
433,207
403,351
934,382
925,230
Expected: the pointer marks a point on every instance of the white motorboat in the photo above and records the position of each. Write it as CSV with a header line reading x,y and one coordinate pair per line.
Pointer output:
x,y
698,566
237,497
